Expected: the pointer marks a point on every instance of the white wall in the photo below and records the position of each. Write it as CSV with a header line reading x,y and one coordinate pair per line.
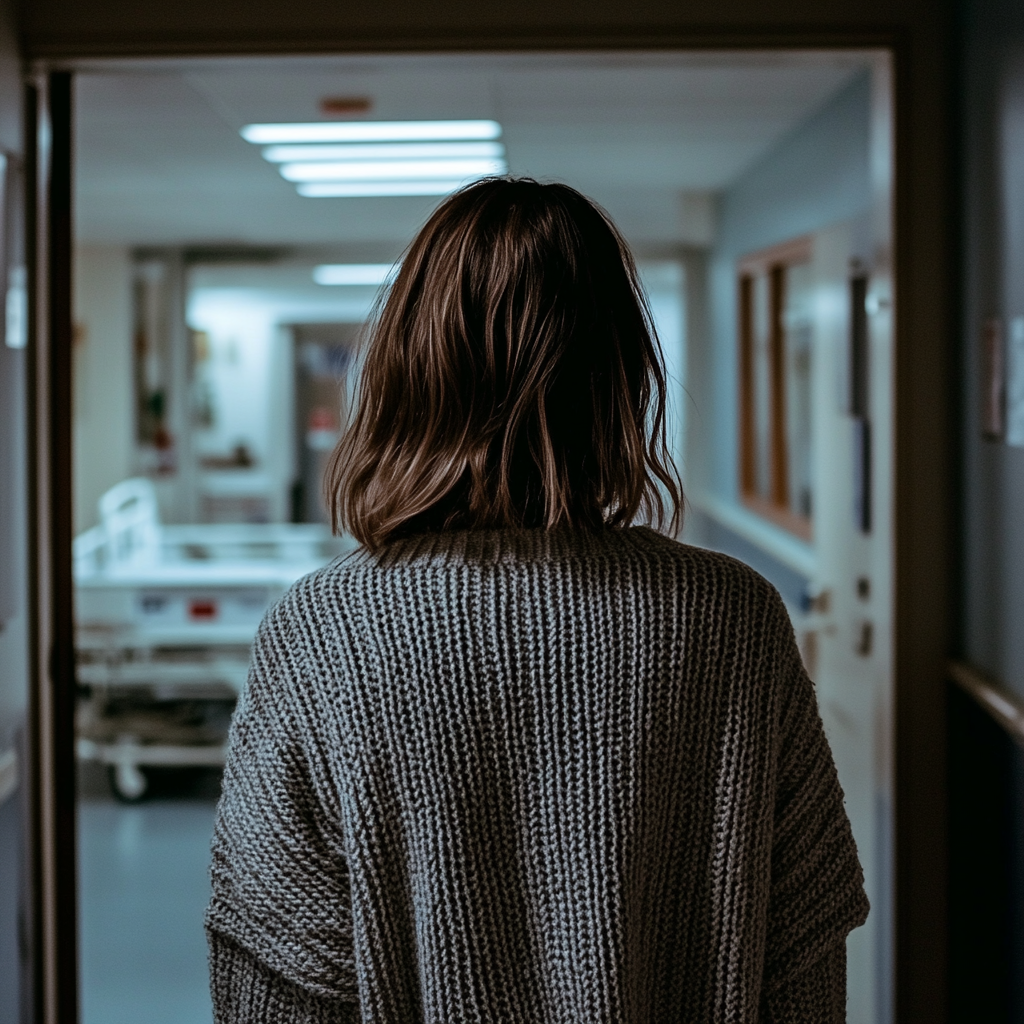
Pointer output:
x,y
817,176
665,284
245,312
104,422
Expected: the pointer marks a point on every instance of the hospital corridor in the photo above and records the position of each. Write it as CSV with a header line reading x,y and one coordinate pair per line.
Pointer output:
x,y
196,245
235,223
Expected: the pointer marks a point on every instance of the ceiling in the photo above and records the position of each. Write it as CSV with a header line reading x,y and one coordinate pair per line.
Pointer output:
x,y
159,159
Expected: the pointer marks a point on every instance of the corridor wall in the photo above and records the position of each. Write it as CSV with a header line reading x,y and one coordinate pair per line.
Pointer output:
x,y
104,389
816,177
986,766
993,492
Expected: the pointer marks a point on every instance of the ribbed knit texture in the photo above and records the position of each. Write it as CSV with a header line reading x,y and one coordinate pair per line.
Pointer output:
x,y
246,990
532,777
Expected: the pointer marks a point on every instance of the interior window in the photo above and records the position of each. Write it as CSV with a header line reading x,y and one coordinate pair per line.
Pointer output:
x,y
775,358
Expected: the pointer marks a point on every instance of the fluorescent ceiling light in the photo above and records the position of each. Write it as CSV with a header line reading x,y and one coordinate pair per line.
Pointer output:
x,y
354,273
371,131
384,151
391,170
341,189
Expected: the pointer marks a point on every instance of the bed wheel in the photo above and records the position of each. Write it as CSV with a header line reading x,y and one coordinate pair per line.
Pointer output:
x,y
128,782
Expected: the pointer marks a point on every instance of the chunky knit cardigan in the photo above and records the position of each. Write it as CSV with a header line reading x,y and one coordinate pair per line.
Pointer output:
x,y
531,778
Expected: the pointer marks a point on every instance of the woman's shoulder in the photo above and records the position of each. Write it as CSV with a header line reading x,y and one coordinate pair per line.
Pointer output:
x,y
441,553
732,593
721,568
355,584
304,605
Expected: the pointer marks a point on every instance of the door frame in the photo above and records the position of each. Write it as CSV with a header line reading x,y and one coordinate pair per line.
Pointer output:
x,y
52,917
925,283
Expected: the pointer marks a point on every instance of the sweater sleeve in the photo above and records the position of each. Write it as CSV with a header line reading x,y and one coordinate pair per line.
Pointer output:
x,y
244,990
279,876
817,887
814,996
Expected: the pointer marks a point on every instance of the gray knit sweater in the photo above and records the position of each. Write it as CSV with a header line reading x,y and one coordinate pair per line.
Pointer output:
x,y
531,778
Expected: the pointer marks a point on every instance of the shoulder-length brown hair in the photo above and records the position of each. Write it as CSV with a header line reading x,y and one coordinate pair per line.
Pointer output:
x,y
513,378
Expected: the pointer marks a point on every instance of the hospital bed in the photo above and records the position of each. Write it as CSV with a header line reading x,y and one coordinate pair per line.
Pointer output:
x,y
165,618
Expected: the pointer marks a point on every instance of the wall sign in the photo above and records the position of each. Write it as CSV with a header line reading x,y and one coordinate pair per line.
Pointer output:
x,y
1015,383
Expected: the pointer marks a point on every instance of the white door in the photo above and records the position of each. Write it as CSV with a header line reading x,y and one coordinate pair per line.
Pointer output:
x,y
846,632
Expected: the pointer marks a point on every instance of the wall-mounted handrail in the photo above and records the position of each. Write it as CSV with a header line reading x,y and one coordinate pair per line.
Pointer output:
x,y
1005,707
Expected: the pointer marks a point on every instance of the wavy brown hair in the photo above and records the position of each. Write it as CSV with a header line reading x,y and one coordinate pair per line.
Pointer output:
x,y
513,378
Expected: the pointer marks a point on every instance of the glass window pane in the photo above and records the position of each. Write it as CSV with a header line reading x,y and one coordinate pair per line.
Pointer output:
x,y
798,330
762,385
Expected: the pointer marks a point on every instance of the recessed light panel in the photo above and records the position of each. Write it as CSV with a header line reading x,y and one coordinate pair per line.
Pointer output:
x,y
354,273
366,189
371,131
381,158
385,151
391,170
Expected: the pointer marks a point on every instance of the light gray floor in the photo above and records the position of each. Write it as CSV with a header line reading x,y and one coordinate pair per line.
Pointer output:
x,y
143,888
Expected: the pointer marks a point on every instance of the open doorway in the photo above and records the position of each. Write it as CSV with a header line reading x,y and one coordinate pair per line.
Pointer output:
x,y
221,282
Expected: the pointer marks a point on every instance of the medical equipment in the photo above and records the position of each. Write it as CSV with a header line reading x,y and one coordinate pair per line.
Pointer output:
x,y
165,618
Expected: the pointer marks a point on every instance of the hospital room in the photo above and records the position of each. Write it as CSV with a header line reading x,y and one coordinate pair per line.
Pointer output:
x,y
238,222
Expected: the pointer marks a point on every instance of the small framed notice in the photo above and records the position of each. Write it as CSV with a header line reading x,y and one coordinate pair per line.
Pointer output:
x,y
1015,383
993,381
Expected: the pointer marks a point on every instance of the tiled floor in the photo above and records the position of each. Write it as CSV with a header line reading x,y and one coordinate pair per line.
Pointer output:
x,y
143,885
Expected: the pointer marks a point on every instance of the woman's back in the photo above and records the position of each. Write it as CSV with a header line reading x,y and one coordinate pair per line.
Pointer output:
x,y
532,776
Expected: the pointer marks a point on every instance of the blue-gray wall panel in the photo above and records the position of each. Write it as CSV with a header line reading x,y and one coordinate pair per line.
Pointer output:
x,y
993,480
818,176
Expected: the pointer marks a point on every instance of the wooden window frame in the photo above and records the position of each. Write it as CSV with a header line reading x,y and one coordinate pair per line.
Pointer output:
x,y
770,263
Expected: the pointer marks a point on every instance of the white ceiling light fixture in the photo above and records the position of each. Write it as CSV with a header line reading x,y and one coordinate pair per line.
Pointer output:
x,y
373,274
384,151
381,158
371,131
370,189
391,170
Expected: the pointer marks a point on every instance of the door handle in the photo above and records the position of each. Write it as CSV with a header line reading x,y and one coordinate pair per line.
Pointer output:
x,y
865,639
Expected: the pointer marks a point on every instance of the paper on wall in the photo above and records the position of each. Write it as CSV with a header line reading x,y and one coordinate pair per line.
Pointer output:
x,y
1015,383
